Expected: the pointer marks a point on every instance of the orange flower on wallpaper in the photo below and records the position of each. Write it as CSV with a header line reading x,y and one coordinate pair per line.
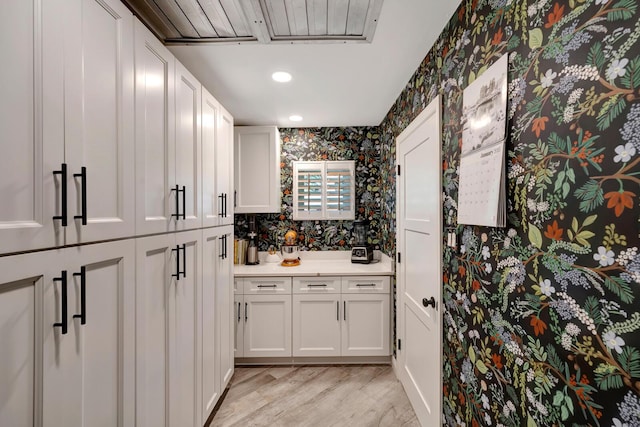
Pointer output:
x,y
620,200
497,37
538,325
554,16
539,125
553,231
497,360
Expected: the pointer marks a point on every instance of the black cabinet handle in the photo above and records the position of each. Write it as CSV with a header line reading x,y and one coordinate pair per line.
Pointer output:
x,y
177,190
63,190
184,260
224,199
83,195
223,247
63,300
221,205
177,273
338,311
366,285
344,310
267,286
246,312
235,198
238,312
83,296
318,285
184,202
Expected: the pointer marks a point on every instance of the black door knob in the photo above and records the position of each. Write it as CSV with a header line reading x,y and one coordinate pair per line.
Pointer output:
x,y
429,302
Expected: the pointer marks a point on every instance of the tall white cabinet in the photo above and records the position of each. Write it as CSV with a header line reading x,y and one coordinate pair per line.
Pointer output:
x,y
123,316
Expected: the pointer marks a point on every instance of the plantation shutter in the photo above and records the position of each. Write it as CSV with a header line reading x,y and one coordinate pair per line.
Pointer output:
x,y
323,190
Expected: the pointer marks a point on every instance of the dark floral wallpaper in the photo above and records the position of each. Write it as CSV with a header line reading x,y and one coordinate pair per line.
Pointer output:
x,y
361,144
542,319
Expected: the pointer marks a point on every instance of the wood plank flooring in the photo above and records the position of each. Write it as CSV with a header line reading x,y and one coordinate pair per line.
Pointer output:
x,y
315,396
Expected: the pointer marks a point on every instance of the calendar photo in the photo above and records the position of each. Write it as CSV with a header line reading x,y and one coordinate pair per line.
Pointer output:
x,y
484,108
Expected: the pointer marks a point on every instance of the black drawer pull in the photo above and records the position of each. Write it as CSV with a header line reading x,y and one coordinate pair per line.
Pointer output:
x,y
267,286
63,190
83,195
320,285
63,302
366,285
238,312
83,296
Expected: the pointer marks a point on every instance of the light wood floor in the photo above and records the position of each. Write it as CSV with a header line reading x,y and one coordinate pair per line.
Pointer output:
x,y
315,396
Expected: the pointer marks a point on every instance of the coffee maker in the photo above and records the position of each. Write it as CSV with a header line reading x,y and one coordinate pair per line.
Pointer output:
x,y
361,251
252,249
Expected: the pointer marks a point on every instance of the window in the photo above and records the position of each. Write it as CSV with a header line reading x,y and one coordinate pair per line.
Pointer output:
x,y
323,190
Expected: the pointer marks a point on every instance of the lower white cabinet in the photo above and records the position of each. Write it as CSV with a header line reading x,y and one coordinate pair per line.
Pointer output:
x,y
168,283
69,314
217,327
348,316
263,317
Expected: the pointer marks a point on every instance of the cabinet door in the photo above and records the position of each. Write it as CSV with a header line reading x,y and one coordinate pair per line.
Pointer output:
x,y
256,157
188,152
155,134
23,280
366,324
31,124
210,113
224,300
99,120
184,318
316,325
224,168
103,321
267,328
155,265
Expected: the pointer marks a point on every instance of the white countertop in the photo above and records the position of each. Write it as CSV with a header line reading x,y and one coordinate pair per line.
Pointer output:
x,y
318,263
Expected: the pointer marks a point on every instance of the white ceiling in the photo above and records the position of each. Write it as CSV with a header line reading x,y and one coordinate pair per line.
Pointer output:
x,y
334,84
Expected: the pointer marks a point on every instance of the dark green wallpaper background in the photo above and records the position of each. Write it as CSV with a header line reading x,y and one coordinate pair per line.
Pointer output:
x,y
541,321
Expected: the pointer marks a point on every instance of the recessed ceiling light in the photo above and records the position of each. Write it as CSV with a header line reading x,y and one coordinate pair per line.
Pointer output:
x,y
295,118
281,76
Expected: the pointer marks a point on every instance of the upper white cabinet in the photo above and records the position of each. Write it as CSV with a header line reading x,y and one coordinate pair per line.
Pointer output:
x,y
156,199
99,120
188,152
31,124
257,169
224,167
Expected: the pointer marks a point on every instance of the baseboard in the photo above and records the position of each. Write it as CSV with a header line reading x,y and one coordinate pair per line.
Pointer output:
x,y
351,360
216,407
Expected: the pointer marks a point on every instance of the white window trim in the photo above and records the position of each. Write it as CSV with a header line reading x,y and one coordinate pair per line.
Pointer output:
x,y
324,213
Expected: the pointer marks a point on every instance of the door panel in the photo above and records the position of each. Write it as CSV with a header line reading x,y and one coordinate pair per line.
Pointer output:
x,y
99,119
267,330
31,124
224,165
419,273
188,146
224,296
210,113
155,263
155,133
365,326
316,325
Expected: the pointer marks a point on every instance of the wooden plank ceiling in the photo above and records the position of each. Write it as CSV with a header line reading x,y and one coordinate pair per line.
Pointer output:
x,y
265,21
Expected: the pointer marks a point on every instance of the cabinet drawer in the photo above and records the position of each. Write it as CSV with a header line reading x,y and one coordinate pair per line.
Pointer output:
x,y
324,285
238,285
267,285
365,284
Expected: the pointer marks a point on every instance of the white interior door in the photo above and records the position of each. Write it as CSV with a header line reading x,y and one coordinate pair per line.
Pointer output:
x,y
419,270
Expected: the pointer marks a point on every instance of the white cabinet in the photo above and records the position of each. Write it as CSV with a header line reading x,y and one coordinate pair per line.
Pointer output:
x,y
31,123
210,117
168,281
70,317
67,123
264,314
188,152
99,120
257,169
238,301
217,323
155,144
348,316
224,167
